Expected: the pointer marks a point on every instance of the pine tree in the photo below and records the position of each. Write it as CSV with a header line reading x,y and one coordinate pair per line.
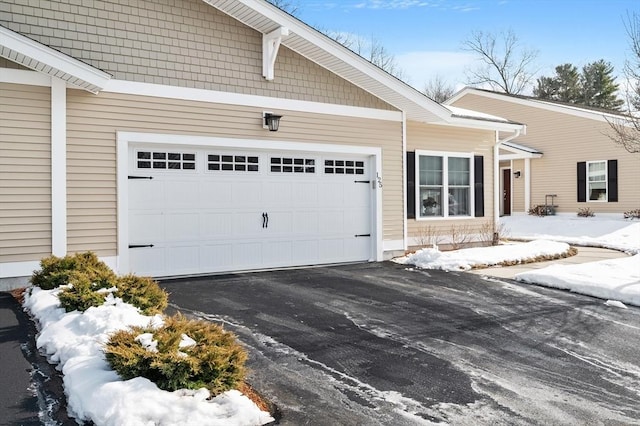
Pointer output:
x,y
595,86
599,87
564,86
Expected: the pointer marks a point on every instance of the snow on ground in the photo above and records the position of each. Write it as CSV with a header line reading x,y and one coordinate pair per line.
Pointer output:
x,y
607,231
617,279
95,392
465,259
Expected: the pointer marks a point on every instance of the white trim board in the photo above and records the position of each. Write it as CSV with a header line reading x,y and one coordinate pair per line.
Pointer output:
x,y
30,53
126,138
535,103
26,268
212,96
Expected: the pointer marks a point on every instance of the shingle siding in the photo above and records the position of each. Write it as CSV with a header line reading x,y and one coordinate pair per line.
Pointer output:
x,y
184,43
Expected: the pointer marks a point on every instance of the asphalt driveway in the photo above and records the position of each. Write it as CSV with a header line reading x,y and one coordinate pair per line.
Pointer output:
x,y
378,343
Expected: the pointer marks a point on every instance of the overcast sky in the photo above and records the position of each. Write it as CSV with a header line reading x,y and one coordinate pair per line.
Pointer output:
x,y
426,36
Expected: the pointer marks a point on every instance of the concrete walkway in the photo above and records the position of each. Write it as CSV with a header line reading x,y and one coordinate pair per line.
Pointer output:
x,y
585,255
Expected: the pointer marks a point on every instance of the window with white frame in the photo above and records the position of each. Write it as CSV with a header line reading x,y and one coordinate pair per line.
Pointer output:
x,y
597,180
444,184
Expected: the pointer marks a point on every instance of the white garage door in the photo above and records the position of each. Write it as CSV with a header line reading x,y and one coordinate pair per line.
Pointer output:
x,y
197,210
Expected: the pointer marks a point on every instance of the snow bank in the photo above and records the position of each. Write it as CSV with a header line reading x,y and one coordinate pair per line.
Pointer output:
x,y
95,392
466,259
617,279
617,234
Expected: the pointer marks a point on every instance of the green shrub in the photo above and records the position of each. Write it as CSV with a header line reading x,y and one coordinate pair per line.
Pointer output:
x,y
83,292
142,292
55,271
215,362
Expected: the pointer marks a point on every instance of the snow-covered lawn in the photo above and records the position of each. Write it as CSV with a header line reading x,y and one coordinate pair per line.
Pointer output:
x,y
617,279
95,392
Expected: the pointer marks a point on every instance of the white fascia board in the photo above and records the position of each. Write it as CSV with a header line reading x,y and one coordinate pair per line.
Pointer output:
x,y
203,95
32,54
520,156
340,52
486,125
536,103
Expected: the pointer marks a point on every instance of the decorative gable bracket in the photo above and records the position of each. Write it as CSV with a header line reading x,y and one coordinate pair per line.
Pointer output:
x,y
270,45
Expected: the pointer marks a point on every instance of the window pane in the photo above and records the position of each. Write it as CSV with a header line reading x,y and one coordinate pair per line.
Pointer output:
x,y
430,170
459,201
597,171
430,202
597,191
458,171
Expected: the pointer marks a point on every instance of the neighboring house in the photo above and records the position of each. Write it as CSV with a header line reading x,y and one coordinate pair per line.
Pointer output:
x,y
565,153
137,130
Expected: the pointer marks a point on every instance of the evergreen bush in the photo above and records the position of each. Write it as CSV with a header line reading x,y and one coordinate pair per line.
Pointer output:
x,y
142,292
83,291
181,354
55,271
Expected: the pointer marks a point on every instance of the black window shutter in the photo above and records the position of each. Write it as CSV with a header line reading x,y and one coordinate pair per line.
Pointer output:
x,y
411,185
582,181
478,188
612,180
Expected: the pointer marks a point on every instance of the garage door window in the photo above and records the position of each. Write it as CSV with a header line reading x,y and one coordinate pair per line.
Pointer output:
x,y
292,165
343,167
166,160
236,163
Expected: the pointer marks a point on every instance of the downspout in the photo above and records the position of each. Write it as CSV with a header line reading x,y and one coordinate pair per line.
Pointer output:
x,y
405,221
496,174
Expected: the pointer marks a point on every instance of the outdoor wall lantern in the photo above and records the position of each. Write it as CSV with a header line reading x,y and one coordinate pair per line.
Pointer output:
x,y
271,121
517,174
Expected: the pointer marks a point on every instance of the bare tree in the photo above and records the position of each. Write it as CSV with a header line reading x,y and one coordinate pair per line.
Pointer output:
x,y
506,65
370,49
438,90
290,7
626,131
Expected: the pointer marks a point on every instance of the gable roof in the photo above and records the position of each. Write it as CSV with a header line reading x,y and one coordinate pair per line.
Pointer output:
x,y
333,56
554,106
31,54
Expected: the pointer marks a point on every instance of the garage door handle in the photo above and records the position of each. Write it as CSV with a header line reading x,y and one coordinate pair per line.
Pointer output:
x,y
140,245
362,235
265,220
141,177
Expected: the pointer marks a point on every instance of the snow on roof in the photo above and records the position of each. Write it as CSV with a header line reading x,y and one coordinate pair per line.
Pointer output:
x,y
580,110
467,113
521,147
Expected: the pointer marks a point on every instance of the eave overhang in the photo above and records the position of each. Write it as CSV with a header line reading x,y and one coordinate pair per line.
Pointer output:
x,y
31,54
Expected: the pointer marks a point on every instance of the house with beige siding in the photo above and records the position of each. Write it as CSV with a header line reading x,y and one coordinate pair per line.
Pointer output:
x,y
565,160
146,132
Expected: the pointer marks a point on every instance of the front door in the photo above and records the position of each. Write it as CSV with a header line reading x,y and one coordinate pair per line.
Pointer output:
x,y
506,192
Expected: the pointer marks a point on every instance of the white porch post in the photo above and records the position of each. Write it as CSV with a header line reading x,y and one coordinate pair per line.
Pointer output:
x,y
527,184
58,167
